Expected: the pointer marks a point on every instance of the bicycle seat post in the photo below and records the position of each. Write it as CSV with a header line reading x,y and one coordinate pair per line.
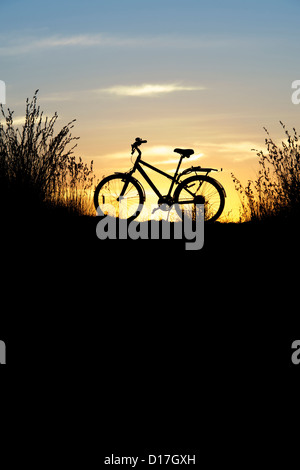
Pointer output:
x,y
175,175
178,166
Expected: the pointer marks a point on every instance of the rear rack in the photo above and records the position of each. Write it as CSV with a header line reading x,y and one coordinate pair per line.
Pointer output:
x,y
198,168
208,169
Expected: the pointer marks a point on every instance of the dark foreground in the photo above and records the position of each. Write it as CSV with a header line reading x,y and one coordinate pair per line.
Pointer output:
x,y
181,349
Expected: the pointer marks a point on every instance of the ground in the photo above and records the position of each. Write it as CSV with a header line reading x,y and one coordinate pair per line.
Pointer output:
x,y
160,331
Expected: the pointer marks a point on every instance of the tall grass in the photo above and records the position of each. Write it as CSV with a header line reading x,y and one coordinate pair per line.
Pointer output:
x,y
276,191
38,169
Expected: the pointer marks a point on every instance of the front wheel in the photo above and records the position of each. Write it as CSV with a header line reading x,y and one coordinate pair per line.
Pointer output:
x,y
198,190
119,196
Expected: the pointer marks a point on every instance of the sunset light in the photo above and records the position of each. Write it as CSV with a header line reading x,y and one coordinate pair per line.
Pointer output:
x,y
123,72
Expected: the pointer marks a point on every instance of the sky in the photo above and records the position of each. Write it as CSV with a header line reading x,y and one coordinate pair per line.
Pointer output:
x,y
179,73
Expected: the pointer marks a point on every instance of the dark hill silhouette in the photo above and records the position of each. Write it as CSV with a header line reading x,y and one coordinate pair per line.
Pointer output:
x,y
161,335
155,331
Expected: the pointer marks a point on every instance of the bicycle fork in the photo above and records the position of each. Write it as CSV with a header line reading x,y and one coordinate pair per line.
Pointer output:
x,y
126,184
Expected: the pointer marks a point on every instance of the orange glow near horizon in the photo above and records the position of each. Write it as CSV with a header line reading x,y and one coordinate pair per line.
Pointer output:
x,y
202,75
163,157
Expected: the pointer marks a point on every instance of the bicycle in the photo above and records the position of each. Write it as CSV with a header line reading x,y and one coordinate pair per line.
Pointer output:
x,y
187,197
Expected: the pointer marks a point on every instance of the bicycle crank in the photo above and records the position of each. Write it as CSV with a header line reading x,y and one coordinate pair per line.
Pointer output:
x,y
199,200
165,203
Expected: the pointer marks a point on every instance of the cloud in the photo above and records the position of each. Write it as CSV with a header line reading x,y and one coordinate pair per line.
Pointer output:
x,y
29,44
149,150
147,89
236,151
158,155
241,151
24,45
20,120
169,161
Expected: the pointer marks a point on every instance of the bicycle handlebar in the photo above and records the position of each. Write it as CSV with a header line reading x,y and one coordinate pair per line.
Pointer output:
x,y
136,144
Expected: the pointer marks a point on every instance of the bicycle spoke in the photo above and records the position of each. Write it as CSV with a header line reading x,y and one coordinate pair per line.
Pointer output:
x,y
111,203
203,190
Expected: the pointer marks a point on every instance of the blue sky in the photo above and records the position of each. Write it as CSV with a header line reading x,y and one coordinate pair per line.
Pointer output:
x,y
155,16
192,40
202,74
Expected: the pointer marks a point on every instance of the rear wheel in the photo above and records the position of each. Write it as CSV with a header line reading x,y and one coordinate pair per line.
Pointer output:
x,y
199,190
119,196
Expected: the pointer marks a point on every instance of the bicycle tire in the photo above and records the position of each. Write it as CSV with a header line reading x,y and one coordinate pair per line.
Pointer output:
x,y
209,189
119,180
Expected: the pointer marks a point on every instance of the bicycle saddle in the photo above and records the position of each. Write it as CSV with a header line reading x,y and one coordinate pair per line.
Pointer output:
x,y
185,152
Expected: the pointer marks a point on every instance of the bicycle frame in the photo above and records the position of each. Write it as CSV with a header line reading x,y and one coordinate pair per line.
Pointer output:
x,y
138,167
174,179
192,190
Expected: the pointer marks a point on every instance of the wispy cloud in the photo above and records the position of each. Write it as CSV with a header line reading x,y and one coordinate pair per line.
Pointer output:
x,y
25,45
20,120
147,89
158,155
175,160
22,45
241,151
144,90
151,151
236,151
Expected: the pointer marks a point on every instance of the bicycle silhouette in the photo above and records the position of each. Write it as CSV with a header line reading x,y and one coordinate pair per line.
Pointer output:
x,y
187,197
